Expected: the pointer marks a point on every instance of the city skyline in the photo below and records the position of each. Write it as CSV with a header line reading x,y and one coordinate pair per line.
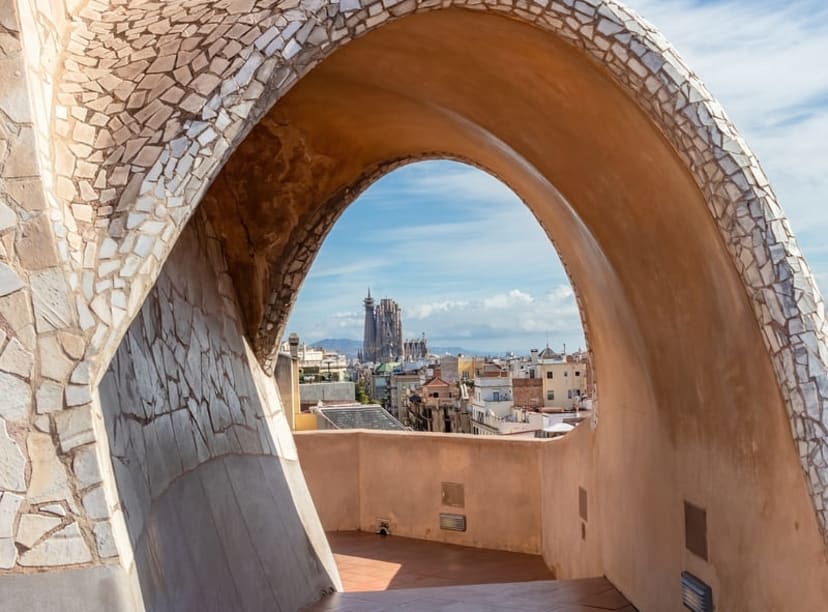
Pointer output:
x,y
505,297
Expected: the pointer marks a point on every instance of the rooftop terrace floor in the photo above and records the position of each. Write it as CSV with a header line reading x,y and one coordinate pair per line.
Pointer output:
x,y
392,573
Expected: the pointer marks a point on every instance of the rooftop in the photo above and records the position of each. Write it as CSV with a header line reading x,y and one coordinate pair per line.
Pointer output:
x,y
358,416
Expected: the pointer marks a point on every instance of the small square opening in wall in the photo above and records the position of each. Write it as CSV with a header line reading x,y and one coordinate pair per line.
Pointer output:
x,y
452,494
582,503
695,529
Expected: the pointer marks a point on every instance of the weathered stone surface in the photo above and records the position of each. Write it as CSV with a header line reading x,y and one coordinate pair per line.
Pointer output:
x,y
14,99
49,481
74,427
8,553
9,280
27,192
8,218
33,527
54,363
9,505
72,344
55,509
180,369
17,359
77,395
17,398
64,547
34,242
85,466
24,162
12,463
105,540
52,307
49,397
95,504
16,309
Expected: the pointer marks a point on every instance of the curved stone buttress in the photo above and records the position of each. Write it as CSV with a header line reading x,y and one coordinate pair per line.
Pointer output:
x,y
708,332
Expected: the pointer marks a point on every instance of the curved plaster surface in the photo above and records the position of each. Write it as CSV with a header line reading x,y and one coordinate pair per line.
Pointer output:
x,y
131,110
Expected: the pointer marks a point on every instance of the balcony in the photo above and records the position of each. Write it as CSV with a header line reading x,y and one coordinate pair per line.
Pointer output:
x,y
515,516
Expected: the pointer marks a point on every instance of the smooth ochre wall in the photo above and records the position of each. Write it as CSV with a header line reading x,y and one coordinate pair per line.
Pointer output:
x,y
356,477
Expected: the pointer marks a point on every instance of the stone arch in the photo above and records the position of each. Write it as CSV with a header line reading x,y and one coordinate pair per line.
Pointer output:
x,y
268,61
152,100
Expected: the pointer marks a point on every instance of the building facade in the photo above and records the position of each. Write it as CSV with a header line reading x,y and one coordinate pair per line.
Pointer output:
x,y
564,379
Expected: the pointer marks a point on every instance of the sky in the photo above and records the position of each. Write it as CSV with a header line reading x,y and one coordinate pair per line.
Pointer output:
x,y
469,264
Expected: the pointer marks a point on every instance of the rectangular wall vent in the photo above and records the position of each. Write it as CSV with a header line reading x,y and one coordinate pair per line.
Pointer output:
x,y
452,522
452,494
695,594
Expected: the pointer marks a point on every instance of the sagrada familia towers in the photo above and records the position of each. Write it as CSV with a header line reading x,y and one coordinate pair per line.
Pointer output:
x,y
383,337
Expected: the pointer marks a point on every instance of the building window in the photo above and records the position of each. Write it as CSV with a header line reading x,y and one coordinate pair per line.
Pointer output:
x,y
550,395
577,372
566,374
549,374
569,394
496,396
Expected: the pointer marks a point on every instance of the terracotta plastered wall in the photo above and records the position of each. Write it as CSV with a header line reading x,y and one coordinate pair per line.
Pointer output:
x,y
357,477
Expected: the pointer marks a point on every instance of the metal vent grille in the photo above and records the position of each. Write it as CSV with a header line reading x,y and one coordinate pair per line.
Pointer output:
x,y
695,594
452,522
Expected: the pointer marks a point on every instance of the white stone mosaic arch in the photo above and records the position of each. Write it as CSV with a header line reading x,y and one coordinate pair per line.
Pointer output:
x,y
151,98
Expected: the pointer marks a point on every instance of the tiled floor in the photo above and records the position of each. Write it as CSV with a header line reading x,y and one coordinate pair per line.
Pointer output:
x,y
369,562
419,576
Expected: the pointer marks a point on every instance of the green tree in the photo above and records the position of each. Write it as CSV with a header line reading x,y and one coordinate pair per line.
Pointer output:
x,y
361,393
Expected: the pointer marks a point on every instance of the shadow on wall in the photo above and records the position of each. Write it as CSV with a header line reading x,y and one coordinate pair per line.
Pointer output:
x,y
207,500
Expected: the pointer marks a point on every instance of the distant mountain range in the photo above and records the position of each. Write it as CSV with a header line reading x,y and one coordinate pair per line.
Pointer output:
x,y
350,348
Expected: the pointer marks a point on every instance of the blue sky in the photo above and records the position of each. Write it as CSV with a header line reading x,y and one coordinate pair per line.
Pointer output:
x,y
462,254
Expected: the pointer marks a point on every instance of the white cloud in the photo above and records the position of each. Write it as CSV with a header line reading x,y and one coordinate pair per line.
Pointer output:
x,y
514,299
423,311
515,318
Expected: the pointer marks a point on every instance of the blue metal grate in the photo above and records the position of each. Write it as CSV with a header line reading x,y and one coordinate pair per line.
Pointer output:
x,y
695,594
